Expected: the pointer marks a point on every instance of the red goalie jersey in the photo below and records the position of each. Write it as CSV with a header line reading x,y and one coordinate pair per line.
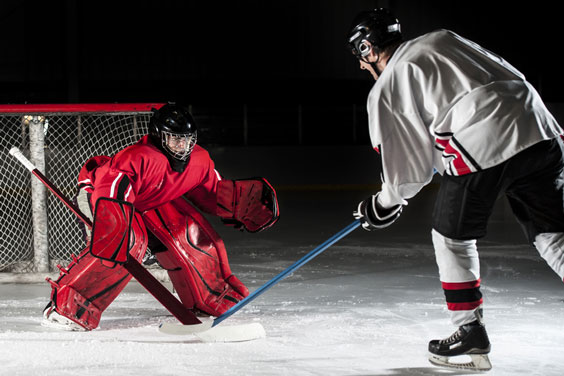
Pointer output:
x,y
141,174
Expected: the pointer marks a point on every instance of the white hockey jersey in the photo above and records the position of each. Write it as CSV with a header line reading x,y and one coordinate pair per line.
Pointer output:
x,y
445,103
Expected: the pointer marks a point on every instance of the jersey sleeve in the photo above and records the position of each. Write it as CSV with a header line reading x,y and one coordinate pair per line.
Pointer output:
x,y
204,195
117,179
115,185
403,141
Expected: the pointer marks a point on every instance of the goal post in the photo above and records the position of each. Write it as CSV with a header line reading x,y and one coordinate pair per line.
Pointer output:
x,y
36,230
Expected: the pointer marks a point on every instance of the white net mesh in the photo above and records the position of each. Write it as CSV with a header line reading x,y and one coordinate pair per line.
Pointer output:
x,y
70,139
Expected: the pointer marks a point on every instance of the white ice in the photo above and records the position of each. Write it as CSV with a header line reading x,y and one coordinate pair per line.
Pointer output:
x,y
366,306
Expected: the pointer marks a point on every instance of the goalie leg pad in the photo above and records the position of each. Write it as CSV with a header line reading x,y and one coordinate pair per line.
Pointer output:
x,y
88,285
196,258
77,308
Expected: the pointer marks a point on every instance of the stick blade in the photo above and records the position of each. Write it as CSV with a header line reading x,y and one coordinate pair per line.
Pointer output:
x,y
221,333
176,328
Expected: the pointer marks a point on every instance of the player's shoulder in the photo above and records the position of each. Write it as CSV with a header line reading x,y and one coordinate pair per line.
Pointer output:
x,y
424,52
143,146
142,152
200,156
426,45
436,37
441,33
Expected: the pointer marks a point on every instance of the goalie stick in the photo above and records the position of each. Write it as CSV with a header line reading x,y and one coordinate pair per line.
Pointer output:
x,y
174,328
151,284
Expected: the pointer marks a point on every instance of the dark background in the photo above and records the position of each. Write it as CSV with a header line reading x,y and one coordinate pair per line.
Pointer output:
x,y
268,64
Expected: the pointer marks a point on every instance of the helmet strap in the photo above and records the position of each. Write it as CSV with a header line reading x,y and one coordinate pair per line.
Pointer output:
x,y
374,64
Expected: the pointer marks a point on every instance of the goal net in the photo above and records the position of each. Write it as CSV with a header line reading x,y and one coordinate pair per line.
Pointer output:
x,y
37,231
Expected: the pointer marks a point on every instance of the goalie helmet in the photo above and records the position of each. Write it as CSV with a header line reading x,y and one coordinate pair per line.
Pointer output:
x,y
173,130
378,27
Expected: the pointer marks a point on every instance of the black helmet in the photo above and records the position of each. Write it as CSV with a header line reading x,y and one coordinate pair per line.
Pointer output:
x,y
170,126
378,26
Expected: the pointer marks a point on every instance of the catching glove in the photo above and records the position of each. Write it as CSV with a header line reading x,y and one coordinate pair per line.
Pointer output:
x,y
249,204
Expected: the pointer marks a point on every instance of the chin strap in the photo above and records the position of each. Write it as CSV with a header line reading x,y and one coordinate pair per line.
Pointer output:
x,y
373,64
375,67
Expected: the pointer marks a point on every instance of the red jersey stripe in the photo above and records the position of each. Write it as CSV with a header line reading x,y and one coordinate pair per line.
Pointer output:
x,y
466,306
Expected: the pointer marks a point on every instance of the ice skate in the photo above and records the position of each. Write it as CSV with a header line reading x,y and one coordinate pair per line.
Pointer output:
x,y
470,340
150,259
52,319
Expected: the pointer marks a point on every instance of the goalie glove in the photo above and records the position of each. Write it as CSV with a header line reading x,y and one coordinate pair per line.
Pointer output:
x,y
372,216
249,204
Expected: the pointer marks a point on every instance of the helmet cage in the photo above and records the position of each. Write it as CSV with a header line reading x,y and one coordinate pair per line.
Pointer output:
x,y
359,45
376,30
185,141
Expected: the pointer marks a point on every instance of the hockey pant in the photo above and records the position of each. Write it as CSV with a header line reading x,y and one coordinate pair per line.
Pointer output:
x,y
533,182
190,250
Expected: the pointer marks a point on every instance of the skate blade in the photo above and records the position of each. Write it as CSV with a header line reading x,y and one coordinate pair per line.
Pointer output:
x,y
55,321
479,362
62,326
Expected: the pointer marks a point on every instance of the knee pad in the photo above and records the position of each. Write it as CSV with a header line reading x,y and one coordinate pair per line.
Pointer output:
x,y
196,259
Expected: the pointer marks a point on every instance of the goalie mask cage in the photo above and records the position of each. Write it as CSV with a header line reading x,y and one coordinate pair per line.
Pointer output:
x,y
37,231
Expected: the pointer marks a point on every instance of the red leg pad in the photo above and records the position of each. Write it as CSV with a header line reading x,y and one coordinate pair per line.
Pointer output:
x,y
88,285
196,258
77,308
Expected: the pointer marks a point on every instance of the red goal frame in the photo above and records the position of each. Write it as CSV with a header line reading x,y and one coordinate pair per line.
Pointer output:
x,y
78,107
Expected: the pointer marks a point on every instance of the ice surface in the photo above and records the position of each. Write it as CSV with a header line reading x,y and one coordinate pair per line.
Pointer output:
x,y
366,306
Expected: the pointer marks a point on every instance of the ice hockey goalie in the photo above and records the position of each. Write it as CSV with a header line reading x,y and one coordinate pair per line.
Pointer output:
x,y
170,181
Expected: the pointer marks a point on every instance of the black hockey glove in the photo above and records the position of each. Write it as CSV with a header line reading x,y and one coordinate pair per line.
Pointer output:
x,y
373,217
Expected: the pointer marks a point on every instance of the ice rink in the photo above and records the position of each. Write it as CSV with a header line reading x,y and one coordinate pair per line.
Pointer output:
x,y
366,306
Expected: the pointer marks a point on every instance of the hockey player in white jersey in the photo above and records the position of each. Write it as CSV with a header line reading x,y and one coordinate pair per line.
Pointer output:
x,y
443,103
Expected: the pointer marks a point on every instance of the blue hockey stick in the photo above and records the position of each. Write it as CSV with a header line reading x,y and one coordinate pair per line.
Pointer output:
x,y
298,264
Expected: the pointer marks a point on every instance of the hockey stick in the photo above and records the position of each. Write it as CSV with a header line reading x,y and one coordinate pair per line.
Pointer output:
x,y
27,164
142,275
187,329
292,268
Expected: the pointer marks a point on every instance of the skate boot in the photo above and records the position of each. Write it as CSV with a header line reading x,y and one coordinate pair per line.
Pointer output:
x,y
149,259
53,319
470,340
